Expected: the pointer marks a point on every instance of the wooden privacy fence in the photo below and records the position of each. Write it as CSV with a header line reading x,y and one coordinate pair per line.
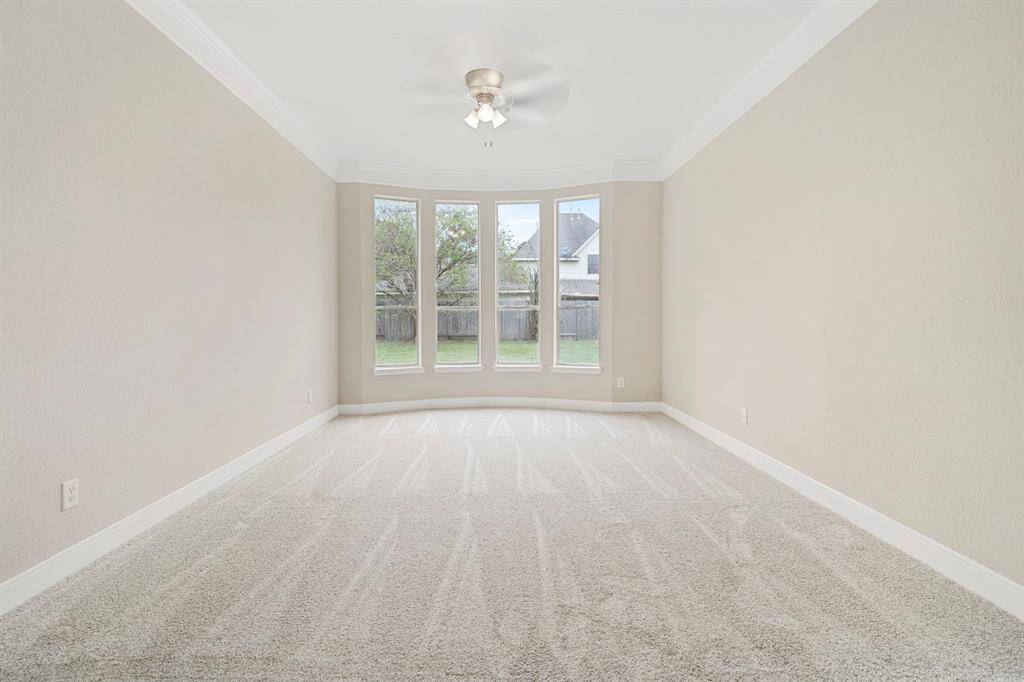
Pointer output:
x,y
396,324
578,321
517,324
457,324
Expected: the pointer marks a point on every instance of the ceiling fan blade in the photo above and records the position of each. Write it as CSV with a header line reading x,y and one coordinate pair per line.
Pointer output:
x,y
527,116
450,98
536,81
546,91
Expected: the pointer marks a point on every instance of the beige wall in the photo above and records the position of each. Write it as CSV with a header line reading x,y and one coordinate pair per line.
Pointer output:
x,y
636,333
846,262
630,291
169,274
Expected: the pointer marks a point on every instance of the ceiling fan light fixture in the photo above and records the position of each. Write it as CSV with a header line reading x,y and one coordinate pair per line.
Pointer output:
x,y
487,98
485,112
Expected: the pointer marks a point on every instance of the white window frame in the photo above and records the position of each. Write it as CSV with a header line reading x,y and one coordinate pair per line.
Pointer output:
x,y
398,369
460,366
559,366
500,366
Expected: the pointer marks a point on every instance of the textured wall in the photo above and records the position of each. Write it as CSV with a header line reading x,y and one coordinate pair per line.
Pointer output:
x,y
630,289
169,274
846,261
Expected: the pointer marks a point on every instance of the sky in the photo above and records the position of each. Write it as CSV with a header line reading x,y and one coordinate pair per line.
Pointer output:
x,y
521,220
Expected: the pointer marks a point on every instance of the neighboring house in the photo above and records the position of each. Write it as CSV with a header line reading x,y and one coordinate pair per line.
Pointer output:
x,y
579,260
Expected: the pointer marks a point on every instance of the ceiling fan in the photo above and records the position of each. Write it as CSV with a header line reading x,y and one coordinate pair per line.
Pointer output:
x,y
541,92
486,98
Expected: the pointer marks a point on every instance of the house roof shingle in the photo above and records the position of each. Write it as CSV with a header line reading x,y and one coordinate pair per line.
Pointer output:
x,y
574,229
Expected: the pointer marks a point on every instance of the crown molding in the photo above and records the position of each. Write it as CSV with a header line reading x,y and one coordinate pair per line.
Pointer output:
x,y
827,20
184,29
483,181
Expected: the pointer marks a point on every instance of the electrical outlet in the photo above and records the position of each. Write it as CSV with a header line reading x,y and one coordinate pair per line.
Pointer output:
x,y
743,415
621,382
309,396
69,494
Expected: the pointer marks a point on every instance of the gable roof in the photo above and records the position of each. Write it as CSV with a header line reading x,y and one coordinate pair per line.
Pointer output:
x,y
574,230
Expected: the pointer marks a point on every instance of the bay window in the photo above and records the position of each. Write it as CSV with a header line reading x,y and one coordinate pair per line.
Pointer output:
x,y
518,269
577,237
457,277
396,282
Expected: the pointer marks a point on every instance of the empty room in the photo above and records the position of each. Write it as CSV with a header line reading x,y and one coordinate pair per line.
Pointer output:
x,y
512,340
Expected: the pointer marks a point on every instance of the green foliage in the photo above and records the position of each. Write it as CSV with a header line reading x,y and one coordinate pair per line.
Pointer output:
x,y
456,262
458,238
394,241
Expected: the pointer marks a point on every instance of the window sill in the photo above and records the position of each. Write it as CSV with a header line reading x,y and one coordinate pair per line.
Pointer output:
x,y
576,369
385,371
519,368
455,369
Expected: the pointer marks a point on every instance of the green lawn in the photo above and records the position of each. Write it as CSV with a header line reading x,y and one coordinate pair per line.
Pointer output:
x,y
457,353
396,352
518,353
571,352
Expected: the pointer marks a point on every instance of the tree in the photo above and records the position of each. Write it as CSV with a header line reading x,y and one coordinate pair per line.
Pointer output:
x,y
455,265
394,244
457,249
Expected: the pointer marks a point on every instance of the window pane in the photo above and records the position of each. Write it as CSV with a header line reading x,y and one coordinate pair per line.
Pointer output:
x,y
517,337
396,266
578,281
457,332
458,285
518,267
518,254
577,333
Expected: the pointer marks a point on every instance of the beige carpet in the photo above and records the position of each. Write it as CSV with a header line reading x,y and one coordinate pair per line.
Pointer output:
x,y
507,544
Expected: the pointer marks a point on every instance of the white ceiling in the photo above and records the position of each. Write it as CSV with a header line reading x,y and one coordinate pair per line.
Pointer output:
x,y
378,83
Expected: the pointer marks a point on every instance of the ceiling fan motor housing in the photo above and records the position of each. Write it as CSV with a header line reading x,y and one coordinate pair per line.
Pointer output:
x,y
484,78
484,84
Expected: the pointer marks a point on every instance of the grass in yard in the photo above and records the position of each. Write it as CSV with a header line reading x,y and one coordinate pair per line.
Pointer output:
x,y
396,352
461,352
518,353
570,351
577,352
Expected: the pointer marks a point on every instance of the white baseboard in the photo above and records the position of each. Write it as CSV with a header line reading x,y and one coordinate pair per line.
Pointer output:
x,y
68,561
983,581
540,403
